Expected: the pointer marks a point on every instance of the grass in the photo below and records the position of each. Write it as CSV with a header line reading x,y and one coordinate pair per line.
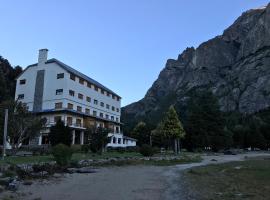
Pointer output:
x,y
231,181
183,158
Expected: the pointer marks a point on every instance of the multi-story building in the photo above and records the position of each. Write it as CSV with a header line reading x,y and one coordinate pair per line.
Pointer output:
x,y
56,91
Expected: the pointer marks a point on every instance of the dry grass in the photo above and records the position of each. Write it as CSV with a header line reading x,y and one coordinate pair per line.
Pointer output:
x,y
232,181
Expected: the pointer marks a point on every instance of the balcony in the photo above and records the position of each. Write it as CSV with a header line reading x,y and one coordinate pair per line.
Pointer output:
x,y
72,125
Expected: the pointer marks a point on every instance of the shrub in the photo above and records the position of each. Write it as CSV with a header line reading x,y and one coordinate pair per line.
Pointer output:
x,y
85,148
147,150
62,154
76,148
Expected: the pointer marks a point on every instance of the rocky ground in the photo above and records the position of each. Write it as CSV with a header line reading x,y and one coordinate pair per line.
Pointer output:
x,y
126,182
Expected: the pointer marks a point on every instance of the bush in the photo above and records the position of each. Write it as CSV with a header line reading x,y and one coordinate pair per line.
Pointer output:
x,y
62,154
85,148
76,148
147,150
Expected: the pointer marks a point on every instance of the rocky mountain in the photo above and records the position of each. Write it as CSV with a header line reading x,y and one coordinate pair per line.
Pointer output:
x,y
235,66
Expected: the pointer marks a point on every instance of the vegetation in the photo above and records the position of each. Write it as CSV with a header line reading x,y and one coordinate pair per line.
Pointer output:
x,y
237,180
59,133
22,124
146,150
62,154
172,128
141,132
98,138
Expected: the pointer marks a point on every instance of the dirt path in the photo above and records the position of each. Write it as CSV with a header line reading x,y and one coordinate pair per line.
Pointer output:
x,y
120,183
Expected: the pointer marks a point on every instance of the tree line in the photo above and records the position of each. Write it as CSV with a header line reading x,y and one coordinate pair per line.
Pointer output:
x,y
204,127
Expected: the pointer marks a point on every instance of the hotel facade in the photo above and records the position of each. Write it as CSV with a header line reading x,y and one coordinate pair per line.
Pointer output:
x,y
56,91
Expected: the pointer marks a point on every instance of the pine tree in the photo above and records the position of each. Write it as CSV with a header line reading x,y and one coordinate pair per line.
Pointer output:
x,y
60,134
172,128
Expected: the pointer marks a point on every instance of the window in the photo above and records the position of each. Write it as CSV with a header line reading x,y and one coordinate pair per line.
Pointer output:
x,y
61,75
114,140
118,98
101,104
107,106
102,91
69,121
95,101
87,111
107,116
116,119
58,105
72,77
70,106
79,108
96,88
101,115
112,118
117,129
89,84
108,94
95,113
88,99
57,118
119,140
20,96
117,109
80,96
113,97
113,108
71,93
22,82
81,81
78,122
59,92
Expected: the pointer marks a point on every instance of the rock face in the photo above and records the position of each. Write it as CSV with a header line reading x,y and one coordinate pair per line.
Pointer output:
x,y
234,65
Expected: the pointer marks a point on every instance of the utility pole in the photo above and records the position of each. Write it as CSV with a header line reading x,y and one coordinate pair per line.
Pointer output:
x,y
5,134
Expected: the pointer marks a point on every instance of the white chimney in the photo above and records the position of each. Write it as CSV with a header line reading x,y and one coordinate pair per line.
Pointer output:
x,y
42,56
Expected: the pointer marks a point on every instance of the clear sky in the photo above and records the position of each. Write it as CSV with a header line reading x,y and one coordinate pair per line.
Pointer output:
x,y
123,44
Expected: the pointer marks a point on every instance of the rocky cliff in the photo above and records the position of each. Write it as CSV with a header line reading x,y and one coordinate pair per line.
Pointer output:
x,y
235,66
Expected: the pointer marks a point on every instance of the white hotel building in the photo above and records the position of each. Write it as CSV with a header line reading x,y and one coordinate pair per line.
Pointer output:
x,y
54,90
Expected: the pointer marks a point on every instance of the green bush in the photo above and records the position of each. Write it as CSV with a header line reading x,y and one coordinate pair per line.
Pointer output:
x,y
76,148
85,148
62,154
147,150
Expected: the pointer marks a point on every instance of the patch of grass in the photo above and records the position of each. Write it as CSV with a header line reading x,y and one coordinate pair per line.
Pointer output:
x,y
231,181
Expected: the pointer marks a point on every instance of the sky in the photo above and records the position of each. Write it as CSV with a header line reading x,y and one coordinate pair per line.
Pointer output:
x,y
123,44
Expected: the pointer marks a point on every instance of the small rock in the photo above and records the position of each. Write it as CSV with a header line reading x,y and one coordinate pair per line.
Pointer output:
x,y
238,167
214,160
86,170
57,175
13,185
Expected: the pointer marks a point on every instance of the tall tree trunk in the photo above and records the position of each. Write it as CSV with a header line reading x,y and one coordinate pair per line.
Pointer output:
x,y
175,146
178,145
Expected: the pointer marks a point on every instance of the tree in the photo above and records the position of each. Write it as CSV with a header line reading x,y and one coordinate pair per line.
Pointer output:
x,y
172,127
98,138
21,123
142,133
205,123
60,134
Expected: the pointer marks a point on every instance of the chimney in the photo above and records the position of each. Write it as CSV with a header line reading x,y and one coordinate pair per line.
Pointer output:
x,y
42,56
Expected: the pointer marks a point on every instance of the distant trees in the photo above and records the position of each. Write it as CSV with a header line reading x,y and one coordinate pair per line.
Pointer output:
x,y
60,134
22,124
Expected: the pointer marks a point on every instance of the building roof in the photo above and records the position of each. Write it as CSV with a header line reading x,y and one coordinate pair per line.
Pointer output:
x,y
75,72
129,138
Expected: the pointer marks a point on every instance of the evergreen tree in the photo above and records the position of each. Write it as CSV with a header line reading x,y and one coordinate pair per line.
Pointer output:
x,y
142,133
172,128
205,123
60,134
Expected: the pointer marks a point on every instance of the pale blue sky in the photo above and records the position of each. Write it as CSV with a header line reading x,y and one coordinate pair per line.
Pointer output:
x,y
123,44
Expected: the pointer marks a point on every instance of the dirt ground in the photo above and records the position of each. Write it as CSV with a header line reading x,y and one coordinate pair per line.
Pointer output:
x,y
118,183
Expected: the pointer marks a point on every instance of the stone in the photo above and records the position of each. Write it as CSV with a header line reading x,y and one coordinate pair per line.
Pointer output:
x,y
86,170
13,185
234,65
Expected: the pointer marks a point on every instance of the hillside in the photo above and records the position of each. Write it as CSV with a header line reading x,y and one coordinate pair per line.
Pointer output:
x,y
235,66
7,79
